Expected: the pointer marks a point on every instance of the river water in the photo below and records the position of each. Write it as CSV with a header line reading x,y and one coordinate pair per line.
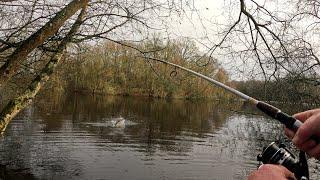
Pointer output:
x,y
74,139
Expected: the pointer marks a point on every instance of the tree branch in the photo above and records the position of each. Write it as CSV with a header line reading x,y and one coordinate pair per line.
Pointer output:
x,y
17,104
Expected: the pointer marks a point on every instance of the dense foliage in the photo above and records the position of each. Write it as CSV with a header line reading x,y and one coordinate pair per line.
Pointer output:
x,y
111,68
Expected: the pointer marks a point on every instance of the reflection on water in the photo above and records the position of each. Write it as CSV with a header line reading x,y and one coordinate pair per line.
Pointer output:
x,y
161,140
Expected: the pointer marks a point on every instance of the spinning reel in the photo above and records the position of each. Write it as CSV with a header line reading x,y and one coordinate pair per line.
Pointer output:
x,y
281,155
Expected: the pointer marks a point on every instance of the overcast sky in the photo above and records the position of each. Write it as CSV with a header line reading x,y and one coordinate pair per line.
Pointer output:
x,y
211,17
199,23
215,16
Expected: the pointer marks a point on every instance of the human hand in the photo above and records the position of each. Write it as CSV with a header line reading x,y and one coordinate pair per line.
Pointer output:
x,y
270,171
310,127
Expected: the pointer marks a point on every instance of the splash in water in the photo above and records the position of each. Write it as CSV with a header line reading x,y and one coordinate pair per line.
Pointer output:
x,y
119,122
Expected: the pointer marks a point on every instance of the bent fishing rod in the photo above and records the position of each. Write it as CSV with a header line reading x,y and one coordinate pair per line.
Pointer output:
x,y
289,121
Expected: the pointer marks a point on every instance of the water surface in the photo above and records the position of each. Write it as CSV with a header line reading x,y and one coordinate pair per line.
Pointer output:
x,y
73,139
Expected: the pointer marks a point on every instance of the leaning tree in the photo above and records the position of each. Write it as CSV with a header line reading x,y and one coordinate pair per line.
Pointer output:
x,y
276,39
35,33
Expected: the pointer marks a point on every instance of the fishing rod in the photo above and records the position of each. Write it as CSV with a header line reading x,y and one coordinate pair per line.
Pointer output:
x,y
289,121
273,154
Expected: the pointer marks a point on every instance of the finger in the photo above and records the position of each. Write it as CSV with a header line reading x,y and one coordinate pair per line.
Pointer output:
x,y
279,169
290,134
305,115
308,146
306,130
315,152
286,172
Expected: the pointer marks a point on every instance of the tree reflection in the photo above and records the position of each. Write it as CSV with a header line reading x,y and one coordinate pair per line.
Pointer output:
x,y
159,122
60,139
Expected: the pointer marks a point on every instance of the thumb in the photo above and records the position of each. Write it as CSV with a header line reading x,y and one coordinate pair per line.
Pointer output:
x,y
303,116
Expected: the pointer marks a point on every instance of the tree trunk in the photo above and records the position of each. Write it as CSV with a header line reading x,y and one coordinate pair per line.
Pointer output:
x,y
49,29
17,104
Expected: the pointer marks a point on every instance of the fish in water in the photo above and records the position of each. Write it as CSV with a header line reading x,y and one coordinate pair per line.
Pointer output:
x,y
119,122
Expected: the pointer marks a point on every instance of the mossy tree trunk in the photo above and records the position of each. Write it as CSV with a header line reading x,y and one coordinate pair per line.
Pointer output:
x,y
17,104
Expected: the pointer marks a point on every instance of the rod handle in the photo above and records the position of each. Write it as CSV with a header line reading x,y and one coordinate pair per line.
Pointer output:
x,y
289,121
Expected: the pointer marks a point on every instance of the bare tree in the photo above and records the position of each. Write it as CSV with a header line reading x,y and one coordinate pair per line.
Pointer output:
x,y
20,54
17,104
34,32
42,27
271,41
